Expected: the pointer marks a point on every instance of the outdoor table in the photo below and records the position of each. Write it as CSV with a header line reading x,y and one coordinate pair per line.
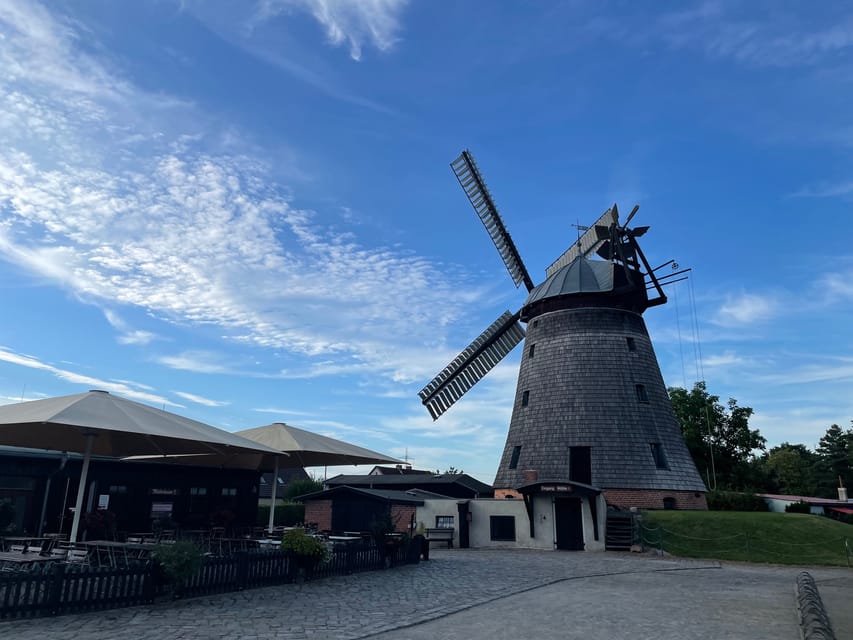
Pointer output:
x,y
236,544
111,548
22,559
344,539
32,542
113,544
268,544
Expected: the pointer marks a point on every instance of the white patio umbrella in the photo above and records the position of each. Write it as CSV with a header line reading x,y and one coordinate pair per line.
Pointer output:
x,y
100,423
307,449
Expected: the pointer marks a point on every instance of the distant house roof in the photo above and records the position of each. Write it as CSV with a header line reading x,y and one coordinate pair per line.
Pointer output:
x,y
399,470
285,477
452,485
383,495
808,499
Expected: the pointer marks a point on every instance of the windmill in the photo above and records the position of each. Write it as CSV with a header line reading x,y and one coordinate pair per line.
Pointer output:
x,y
591,407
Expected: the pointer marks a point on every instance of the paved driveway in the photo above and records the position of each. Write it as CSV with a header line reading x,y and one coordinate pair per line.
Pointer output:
x,y
478,594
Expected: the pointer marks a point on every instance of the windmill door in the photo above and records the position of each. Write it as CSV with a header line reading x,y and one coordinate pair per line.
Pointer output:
x,y
568,522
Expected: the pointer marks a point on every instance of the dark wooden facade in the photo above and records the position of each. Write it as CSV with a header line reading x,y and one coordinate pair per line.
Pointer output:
x,y
141,495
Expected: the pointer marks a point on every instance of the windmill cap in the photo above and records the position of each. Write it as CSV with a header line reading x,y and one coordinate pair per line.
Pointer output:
x,y
579,276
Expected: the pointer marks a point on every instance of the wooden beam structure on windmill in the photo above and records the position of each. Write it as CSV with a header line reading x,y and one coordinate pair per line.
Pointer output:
x,y
591,406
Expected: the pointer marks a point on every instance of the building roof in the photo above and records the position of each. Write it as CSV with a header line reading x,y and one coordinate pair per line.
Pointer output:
x,y
418,481
384,495
807,499
285,477
399,470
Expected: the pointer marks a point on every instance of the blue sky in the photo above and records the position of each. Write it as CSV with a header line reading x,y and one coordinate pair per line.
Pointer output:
x,y
244,212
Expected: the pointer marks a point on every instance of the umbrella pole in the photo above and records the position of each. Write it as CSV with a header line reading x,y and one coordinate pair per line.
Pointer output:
x,y
272,503
82,488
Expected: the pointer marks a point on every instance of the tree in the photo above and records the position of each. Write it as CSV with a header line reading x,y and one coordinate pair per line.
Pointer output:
x,y
718,437
301,487
835,452
452,471
791,468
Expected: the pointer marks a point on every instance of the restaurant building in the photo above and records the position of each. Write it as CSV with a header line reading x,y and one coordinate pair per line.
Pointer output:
x,y
41,487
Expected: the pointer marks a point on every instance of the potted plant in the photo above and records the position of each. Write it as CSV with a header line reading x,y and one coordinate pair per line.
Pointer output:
x,y
381,530
308,551
179,562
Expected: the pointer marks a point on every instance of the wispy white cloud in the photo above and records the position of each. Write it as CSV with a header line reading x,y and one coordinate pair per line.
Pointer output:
x,y
766,38
207,402
746,309
840,370
838,286
195,361
825,190
198,238
128,336
725,359
266,32
137,337
122,388
352,22
283,412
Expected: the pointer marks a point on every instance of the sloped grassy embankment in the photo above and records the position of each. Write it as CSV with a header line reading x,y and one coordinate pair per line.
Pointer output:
x,y
780,538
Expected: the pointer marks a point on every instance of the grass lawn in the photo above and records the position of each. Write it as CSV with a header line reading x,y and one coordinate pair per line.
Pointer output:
x,y
781,538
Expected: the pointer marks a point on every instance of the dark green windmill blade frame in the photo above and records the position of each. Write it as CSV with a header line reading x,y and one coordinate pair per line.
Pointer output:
x,y
475,361
478,194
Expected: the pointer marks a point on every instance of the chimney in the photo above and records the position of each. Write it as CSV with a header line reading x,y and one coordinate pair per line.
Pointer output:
x,y
842,494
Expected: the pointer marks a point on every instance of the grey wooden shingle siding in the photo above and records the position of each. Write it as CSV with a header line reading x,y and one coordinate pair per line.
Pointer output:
x,y
582,383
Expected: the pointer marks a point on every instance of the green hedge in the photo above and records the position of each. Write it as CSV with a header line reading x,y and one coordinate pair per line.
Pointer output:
x,y
798,507
286,514
735,501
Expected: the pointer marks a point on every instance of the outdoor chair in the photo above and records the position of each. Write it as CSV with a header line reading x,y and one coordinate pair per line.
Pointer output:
x,y
59,553
78,557
47,546
18,548
134,539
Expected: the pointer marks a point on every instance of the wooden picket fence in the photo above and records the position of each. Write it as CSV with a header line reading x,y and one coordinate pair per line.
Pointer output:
x,y
61,588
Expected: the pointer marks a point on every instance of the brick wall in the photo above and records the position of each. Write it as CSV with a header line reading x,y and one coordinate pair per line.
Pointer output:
x,y
319,511
500,494
653,498
402,515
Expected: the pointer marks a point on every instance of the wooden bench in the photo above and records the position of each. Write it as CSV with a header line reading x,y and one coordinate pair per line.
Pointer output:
x,y
444,534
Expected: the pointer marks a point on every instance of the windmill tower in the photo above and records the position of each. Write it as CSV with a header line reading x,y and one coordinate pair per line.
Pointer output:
x,y
591,415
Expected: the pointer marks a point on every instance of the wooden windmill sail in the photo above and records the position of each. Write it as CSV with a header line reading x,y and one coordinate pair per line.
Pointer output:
x,y
591,406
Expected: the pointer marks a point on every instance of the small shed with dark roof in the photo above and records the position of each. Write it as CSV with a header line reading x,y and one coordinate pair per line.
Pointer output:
x,y
452,485
356,509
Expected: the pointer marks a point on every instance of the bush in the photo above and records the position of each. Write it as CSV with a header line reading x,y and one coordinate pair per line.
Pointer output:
x,y
798,507
310,551
735,501
180,561
287,514
301,487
